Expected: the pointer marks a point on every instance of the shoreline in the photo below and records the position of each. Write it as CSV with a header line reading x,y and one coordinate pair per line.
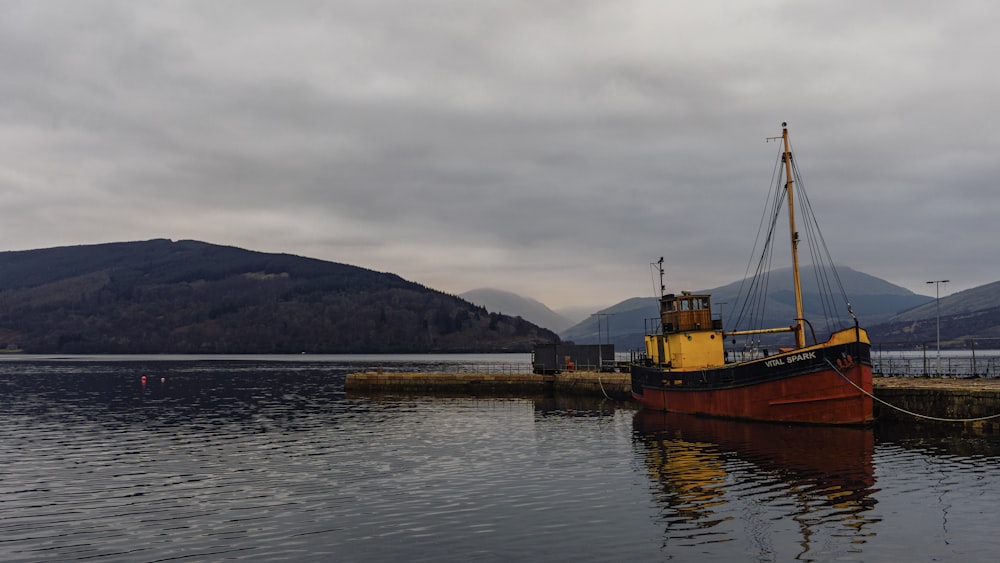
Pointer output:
x,y
932,397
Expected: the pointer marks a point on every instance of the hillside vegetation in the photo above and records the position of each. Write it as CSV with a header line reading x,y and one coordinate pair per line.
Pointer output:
x,y
973,314
160,296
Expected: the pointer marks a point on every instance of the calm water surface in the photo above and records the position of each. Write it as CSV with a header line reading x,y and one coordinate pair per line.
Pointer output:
x,y
259,459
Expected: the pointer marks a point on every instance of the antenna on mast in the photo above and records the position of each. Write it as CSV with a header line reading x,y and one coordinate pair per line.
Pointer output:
x,y
663,288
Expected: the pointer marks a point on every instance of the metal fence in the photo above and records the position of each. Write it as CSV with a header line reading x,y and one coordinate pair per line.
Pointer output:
x,y
889,364
455,367
929,365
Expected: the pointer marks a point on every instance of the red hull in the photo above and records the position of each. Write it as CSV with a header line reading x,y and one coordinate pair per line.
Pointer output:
x,y
818,397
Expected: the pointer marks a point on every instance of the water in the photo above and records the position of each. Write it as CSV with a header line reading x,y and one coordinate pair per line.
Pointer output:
x,y
268,459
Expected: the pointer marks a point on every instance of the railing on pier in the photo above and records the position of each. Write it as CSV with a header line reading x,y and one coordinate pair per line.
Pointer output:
x,y
490,367
455,367
952,364
889,364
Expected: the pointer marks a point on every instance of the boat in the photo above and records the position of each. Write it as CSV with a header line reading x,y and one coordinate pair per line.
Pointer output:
x,y
687,369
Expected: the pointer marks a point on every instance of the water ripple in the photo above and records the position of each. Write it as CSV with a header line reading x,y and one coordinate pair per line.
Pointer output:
x,y
274,462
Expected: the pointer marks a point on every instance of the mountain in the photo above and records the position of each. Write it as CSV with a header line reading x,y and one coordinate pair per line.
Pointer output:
x,y
973,314
535,312
575,314
160,296
623,324
965,302
874,301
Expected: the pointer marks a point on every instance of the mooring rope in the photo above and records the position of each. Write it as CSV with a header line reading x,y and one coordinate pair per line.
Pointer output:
x,y
901,409
602,385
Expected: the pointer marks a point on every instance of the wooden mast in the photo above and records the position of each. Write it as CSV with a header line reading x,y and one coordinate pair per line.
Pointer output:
x,y
800,331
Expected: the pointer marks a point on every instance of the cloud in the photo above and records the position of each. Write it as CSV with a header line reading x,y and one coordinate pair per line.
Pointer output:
x,y
550,148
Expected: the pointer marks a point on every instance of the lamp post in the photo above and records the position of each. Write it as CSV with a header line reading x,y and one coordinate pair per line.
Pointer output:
x,y
937,303
600,343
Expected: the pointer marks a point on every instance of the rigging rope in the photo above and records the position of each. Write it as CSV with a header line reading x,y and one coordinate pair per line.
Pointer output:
x,y
901,409
746,311
752,303
820,253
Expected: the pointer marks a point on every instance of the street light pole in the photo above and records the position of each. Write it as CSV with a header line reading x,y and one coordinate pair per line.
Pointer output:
x,y
937,304
600,342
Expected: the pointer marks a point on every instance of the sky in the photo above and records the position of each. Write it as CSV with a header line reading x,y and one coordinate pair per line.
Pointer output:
x,y
551,148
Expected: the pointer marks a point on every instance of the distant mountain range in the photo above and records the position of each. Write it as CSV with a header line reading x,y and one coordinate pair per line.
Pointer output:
x,y
160,296
499,301
893,315
874,301
973,314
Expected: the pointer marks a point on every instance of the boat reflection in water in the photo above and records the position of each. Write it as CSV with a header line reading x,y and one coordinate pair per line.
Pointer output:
x,y
720,480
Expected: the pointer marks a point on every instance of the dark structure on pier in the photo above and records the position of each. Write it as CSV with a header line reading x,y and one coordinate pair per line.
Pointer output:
x,y
557,358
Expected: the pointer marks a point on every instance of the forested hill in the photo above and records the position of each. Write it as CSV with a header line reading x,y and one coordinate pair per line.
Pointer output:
x,y
160,296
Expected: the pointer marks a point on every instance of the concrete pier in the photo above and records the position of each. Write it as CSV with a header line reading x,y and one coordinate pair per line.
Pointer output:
x,y
613,385
945,398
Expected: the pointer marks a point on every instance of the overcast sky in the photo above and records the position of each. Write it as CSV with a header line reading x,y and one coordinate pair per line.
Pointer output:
x,y
553,148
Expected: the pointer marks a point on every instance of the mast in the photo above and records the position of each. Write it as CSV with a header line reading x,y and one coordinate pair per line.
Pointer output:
x,y
663,288
800,331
